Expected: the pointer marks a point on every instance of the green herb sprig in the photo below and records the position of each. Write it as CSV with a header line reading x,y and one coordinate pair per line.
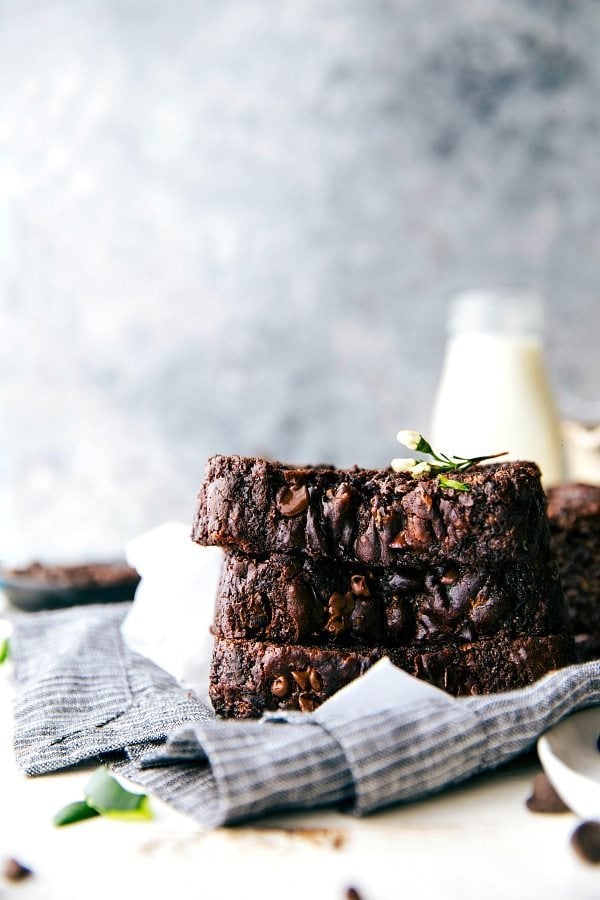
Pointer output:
x,y
105,796
440,463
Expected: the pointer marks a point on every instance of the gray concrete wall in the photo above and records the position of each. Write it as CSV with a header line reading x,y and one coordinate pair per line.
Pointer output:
x,y
233,226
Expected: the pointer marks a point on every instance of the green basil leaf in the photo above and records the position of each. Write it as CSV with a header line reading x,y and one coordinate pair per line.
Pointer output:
x,y
4,650
450,483
74,812
105,794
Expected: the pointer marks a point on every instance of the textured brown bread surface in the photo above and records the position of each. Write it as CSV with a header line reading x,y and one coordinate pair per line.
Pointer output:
x,y
293,599
375,517
249,678
574,514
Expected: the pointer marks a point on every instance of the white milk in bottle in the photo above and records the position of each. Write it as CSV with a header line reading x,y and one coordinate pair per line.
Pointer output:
x,y
494,393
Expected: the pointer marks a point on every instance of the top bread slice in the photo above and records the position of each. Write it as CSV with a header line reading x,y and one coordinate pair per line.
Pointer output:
x,y
373,517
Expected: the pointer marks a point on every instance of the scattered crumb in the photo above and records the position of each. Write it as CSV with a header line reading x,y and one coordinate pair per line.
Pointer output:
x,y
333,837
244,836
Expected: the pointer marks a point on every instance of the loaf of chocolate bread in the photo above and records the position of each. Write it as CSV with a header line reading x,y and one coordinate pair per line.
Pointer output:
x,y
249,677
374,517
294,599
574,514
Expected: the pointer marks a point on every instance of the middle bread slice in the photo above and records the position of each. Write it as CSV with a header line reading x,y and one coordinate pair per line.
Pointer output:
x,y
291,599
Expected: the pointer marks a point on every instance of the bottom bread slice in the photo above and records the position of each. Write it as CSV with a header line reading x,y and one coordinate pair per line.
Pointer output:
x,y
249,678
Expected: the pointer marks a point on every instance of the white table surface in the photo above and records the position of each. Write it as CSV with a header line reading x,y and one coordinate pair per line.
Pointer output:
x,y
476,842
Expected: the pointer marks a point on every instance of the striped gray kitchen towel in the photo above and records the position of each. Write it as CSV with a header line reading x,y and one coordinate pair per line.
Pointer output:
x,y
83,696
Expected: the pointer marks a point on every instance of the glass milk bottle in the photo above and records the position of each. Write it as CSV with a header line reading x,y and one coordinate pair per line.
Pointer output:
x,y
494,393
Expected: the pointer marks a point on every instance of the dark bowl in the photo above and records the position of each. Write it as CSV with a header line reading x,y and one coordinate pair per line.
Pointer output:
x,y
40,589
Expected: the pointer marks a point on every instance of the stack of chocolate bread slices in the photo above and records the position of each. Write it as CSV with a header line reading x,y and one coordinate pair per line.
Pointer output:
x,y
328,570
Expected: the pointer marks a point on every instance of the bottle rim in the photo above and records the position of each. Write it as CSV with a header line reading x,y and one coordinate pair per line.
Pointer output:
x,y
497,310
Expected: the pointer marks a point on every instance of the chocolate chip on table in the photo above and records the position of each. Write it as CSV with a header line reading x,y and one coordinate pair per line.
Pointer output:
x,y
353,894
281,686
13,870
544,798
586,841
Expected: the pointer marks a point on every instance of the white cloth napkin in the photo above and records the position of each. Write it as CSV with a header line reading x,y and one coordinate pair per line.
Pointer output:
x,y
82,694
170,619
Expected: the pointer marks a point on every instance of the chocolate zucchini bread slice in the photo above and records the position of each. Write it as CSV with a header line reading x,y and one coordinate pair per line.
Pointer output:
x,y
574,514
294,599
249,678
374,517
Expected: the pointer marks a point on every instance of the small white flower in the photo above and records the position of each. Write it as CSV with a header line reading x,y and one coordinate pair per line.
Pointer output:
x,y
410,439
421,468
403,465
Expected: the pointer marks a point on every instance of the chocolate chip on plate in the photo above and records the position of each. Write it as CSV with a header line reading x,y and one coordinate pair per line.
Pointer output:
x,y
544,798
586,841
